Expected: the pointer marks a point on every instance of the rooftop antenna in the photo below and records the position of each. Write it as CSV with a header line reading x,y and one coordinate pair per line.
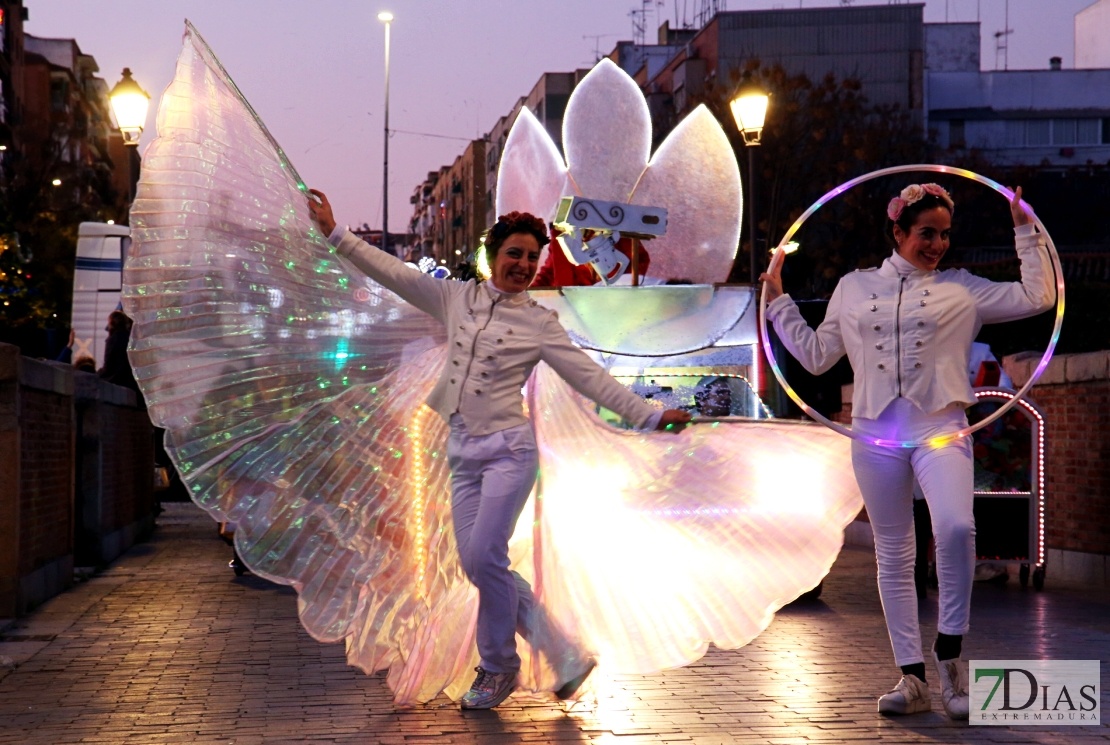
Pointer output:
x,y
707,10
639,22
597,44
1001,45
685,22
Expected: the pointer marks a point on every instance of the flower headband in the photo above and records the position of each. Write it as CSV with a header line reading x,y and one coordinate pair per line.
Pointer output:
x,y
914,193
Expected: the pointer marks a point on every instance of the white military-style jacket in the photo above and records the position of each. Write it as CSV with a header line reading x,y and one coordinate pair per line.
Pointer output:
x,y
494,340
908,332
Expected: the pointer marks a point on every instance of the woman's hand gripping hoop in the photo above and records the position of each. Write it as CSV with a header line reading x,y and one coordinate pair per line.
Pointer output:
x,y
774,270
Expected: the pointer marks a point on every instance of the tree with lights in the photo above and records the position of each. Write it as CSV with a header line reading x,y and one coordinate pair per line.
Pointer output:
x,y
45,199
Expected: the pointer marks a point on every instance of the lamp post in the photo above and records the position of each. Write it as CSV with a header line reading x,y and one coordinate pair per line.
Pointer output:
x,y
387,18
749,109
130,104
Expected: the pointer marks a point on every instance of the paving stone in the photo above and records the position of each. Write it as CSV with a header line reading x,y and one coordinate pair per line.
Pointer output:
x,y
167,646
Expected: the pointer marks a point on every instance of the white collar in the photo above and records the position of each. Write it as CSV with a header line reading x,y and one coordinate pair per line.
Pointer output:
x,y
497,294
902,266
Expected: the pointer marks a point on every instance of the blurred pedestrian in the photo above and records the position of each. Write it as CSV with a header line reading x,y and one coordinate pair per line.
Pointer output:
x,y
117,368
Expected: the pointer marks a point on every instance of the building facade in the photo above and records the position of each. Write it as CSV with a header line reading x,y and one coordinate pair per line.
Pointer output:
x,y
67,130
1043,118
1048,118
495,146
881,46
1092,43
12,15
548,102
423,223
55,118
460,194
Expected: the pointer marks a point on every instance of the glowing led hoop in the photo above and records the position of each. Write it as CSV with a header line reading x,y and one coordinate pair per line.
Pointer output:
x,y
780,254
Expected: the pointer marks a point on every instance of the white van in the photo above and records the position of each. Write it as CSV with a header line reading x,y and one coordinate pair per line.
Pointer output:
x,y
97,281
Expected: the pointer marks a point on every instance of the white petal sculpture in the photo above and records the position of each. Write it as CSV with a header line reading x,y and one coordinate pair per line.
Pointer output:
x,y
607,133
607,139
694,174
531,176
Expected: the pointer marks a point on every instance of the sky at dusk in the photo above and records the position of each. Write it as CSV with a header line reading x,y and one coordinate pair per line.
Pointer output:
x,y
314,71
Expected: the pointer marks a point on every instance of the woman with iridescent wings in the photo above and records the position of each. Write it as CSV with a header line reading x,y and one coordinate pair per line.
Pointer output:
x,y
496,334
292,388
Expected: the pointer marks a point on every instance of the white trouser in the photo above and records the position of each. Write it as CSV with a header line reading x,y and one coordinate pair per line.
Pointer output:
x,y
491,478
946,475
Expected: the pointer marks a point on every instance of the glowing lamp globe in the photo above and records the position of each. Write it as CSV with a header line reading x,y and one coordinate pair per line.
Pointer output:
x,y
129,104
749,109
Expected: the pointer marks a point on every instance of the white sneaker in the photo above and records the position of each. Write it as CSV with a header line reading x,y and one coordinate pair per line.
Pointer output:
x,y
953,687
910,696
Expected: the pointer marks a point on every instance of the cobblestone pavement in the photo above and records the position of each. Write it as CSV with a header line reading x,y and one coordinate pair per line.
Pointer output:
x,y
168,646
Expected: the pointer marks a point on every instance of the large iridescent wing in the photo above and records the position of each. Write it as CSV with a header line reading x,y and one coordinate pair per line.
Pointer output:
x,y
291,388
651,546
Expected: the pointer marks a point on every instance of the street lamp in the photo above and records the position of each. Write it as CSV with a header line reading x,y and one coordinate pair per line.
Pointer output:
x,y
749,109
130,104
387,18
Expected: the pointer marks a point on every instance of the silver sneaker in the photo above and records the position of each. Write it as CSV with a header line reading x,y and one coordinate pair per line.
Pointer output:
x,y
910,696
953,687
489,689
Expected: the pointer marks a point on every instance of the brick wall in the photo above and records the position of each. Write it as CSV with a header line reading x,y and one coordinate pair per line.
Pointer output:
x,y
36,495
46,477
9,480
1074,394
49,506
129,459
115,462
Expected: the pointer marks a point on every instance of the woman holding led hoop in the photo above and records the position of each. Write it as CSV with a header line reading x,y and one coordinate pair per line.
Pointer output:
x,y
496,336
907,329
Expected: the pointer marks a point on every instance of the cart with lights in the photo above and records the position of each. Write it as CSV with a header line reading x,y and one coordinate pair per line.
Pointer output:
x,y
1009,485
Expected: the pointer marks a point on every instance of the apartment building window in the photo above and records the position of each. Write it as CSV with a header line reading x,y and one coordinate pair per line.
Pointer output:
x,y
59,91
1064,131
1014,134
556,104
1038,132
1088,131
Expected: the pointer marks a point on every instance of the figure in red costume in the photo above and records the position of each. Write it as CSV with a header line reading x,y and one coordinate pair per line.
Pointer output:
x,y
558,271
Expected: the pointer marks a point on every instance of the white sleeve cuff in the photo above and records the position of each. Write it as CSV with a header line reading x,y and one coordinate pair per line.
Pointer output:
x,y
337,234
652,422
1022,231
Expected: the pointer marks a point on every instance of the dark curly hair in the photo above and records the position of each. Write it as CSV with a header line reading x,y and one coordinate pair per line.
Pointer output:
x,y
510,224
